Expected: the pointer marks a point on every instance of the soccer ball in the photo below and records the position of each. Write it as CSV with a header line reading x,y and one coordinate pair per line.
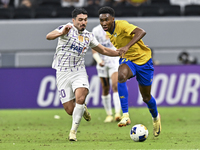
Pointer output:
x,y
139,133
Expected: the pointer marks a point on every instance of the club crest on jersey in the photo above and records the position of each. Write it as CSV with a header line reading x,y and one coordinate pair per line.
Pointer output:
x,y
115,35
80,38
86,39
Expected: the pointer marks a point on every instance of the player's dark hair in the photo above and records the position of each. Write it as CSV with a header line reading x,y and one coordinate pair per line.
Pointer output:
x,y
107,10
78,11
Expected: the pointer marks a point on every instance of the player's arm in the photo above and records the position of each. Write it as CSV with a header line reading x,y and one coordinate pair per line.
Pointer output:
x,y
56,33
138,34
53,35
105,51
97,58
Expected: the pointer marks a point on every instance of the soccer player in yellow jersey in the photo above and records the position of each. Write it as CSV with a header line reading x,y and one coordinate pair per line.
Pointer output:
x,y
135,60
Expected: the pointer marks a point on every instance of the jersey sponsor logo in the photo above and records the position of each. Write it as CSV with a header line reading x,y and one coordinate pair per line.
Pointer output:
x,y
77,48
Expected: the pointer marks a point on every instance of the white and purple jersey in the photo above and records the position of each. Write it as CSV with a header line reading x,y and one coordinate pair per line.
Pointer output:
x,y
104,40
71,49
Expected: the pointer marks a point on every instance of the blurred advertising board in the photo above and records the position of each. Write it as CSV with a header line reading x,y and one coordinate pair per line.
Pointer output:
x,y
174,85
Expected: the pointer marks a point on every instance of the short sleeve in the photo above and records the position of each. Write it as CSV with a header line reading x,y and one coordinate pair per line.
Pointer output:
x,y
128,28
61,27
94,41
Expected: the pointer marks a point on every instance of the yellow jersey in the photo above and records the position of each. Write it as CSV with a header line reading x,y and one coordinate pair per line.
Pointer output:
x,y
138,53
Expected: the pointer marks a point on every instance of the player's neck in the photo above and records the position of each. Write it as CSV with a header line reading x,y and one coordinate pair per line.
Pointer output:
x,y
112,28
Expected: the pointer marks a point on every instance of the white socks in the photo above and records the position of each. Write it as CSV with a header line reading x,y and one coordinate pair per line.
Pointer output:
x,y
107,103
116,102
77,116
154,119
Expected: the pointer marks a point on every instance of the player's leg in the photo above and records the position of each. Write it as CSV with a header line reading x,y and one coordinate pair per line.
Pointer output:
x,y
80,95
67,96
151,104
116,100
144,77
106,98
69,108
86,114
124,73
69,104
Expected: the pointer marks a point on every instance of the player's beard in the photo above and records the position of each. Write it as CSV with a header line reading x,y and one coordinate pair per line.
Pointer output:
x,y
82,28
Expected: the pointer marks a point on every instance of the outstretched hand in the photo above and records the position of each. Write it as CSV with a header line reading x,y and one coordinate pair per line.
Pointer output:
x,y
122,51
66,29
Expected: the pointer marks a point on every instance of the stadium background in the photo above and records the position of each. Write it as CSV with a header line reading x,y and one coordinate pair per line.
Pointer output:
x,y
27,80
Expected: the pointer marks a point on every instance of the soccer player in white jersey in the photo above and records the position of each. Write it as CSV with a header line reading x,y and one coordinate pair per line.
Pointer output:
x,y
107,68
71,77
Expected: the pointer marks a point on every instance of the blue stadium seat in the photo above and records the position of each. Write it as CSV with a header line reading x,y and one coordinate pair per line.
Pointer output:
x,y
6,13
64,12
170,10
92,10
192,10
160,2
149,11
22,13
125,11
52,3
44,12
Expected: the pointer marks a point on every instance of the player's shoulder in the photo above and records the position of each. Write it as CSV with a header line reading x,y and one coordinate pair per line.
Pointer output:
x,y
97,28
88,33
121,22
124,24
63,25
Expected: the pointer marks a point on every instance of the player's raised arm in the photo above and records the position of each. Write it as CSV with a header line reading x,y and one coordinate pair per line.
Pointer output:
x,y
105,51
55,33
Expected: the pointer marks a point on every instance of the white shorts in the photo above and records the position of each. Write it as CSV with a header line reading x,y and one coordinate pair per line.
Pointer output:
x,y
68,82
106,71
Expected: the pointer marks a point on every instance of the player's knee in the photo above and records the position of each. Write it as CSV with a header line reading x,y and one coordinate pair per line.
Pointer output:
x,y
114,87
105,89
69,110
80,100
146,98
122,77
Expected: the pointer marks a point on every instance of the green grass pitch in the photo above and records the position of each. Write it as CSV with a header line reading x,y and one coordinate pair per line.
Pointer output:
x,y
36,129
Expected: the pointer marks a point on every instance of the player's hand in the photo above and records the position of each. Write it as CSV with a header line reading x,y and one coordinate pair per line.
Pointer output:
x,y
101,64
66,29
122,51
